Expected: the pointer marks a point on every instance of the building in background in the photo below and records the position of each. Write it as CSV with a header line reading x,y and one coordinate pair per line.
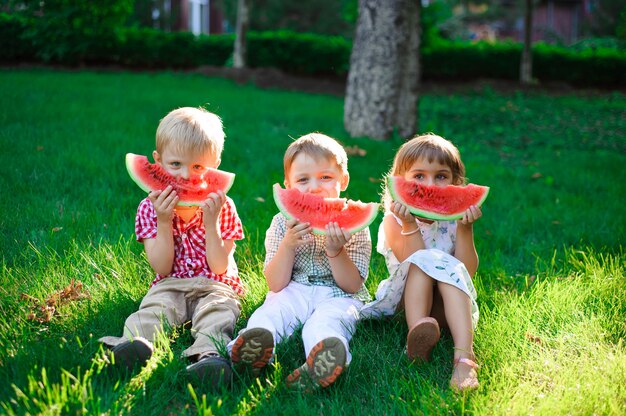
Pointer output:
x,y
554,21
196,16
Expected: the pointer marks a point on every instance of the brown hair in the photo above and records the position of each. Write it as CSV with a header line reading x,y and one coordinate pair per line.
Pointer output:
x,y
316,145
430,147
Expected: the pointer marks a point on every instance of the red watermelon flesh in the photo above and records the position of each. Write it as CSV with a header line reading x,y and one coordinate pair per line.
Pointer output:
x,y
192,191
436,202
318,211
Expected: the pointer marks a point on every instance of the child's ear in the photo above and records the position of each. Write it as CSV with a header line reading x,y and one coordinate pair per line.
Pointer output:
x,y
344,182
286,183
156,157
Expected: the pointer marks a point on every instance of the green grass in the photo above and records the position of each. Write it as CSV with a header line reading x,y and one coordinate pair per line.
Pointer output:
x,y
551,283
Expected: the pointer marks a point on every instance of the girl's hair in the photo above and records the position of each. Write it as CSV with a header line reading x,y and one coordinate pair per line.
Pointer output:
x,y
431,147
191,130
317,146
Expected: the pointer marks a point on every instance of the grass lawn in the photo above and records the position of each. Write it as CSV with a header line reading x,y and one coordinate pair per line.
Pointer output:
x,y
551,283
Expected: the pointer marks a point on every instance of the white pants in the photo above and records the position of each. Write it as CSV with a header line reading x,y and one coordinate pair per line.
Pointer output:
x,y
322,314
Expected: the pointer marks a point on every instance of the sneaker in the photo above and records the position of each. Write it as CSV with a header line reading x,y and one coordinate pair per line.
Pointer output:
x,y
324,364
422,338
253,349
133,352
212,369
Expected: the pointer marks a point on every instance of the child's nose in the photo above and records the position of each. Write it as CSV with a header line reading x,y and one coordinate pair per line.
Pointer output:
x,y
314,186
184,172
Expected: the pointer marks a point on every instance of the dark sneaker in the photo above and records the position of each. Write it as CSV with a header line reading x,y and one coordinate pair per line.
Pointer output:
x,y
252,349
422,338
324,364
212,369
133,352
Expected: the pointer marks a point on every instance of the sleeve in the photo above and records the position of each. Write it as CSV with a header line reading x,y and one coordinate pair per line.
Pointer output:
x,y
230,224
360,251
273,236
145,221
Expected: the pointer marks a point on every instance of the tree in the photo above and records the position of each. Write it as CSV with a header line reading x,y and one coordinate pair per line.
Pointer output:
x,y
383,80
526,62
239,54
70,31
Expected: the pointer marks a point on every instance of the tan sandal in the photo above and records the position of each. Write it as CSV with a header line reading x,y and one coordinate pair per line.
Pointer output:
x,y
468,383
422,338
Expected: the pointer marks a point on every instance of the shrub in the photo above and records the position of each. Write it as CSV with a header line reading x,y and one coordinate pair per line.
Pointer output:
x,y
14,47
74,31
298,53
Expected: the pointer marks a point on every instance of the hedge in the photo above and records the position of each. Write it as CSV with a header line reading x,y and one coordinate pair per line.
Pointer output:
x,y
311,54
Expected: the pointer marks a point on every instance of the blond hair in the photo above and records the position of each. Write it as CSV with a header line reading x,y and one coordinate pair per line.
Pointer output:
x,y
191,130
430,147
317,146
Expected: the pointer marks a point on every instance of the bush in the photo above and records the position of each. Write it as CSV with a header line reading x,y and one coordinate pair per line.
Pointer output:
x,y
301,53
74,31
447,60
13,45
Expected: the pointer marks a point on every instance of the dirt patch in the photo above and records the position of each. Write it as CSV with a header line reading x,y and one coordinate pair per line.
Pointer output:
x,y
336,85
274,78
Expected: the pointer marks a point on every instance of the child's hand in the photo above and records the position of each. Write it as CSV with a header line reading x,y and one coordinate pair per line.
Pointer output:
x,y
164,203
336,238
402,211
470,215
211,208
294,237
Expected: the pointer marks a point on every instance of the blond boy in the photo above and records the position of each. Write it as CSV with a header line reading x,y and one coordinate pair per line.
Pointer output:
x,y
191,251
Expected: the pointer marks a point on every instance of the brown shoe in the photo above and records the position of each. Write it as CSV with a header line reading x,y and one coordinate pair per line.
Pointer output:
x,y
253,349
133,352
422,338
324,364
212,369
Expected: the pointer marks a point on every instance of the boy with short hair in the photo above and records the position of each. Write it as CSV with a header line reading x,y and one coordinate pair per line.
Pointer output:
x,y
190,249
314,280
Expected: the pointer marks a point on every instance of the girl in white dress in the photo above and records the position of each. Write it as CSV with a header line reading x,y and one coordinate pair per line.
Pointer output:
x,y
430,262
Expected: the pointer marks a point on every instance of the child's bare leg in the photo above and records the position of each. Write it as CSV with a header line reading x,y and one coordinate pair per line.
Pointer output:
x,y
424,331
458,316
437,311
418,295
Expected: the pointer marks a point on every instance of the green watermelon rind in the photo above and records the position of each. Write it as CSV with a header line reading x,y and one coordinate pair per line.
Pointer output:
x,y
427,214
281,207
131,158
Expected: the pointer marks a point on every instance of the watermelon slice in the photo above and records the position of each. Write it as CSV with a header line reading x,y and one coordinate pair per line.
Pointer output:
x,y
318,211
192,191
436,202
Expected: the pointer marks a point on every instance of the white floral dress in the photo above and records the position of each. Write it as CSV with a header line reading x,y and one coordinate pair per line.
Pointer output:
x,y
436,260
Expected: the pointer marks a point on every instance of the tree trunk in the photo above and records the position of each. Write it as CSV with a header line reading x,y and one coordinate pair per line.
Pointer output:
x,y
526,62
239,54
382,89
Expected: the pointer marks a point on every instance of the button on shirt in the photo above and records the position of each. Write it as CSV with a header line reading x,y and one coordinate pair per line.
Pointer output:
x,y
189,242
311,266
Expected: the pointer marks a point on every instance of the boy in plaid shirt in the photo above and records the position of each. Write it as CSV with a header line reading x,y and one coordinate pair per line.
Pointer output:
x,y
314,280
190,249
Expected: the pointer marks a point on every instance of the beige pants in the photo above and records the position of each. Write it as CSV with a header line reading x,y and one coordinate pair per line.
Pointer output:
x,y
212,307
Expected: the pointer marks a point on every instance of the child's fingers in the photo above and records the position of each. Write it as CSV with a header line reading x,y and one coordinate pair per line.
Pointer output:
x,y
154,195
301,226
171,204
336,235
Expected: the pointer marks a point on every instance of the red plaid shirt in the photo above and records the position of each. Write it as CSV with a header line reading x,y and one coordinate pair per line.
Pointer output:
x,y
189,242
